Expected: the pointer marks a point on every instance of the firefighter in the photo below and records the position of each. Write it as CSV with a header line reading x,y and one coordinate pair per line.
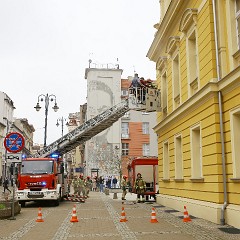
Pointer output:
x,y
81,186
75,184
88,183
140,187
124,187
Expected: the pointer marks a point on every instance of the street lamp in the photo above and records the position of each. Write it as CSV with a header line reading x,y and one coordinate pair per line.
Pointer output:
x,y
47,99
62,120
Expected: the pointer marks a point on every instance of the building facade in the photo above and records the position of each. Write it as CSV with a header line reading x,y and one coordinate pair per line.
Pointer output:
x,y
196,50
137,135
6,120
22,126
110,152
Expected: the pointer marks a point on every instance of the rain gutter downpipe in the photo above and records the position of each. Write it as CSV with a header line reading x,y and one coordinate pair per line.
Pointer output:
x,y
222,220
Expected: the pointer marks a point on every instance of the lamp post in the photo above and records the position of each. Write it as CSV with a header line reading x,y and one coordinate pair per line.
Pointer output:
x,y
47,99
62,120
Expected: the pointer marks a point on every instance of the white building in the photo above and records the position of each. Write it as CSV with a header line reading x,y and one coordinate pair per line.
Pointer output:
x,y
103,92
6,119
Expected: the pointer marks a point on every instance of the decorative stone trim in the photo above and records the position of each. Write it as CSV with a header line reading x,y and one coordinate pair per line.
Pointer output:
x,y
188,19
197,179
161,63
235,179
172,45
166,180
178,180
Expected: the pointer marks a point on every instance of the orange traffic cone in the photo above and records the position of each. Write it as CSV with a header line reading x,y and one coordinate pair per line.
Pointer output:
x,y
123,216
153,216
74,215
39,218
186,217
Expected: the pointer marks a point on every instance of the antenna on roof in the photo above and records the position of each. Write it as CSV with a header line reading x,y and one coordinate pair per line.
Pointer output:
x,y
117,64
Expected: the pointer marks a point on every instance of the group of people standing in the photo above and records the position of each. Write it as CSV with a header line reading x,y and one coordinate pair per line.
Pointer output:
x,y
82,186
139,87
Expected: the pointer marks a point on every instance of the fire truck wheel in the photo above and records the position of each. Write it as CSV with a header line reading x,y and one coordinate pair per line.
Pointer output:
x,y
56,202
23,204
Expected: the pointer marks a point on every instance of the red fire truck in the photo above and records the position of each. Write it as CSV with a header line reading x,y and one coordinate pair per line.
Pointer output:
x,y
148,167
41,179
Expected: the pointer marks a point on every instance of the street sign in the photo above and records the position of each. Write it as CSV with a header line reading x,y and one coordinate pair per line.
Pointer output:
x,y
14,157
14,142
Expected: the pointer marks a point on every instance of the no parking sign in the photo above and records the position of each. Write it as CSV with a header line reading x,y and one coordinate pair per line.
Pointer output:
x,y
14,142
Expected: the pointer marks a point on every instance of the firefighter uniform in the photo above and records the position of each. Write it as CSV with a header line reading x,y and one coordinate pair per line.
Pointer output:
x,y
88,184
124,187
75,185
140,187
81,186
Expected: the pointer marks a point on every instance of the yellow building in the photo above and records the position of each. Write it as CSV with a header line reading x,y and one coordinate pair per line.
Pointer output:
x,y
199,126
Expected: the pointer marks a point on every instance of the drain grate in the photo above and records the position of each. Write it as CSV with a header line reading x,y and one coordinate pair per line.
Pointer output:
x,y
170,211
230,230
159,206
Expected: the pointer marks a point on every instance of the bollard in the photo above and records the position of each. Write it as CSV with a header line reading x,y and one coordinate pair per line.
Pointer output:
x,y
106,191
115,196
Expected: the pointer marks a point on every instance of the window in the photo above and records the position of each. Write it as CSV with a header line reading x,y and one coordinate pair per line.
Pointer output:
x,y
164,93
235,139
124,92
196,153
125,130
176,79
165,161
145,127
146,149
178,158
173,50
125,149
192,62
188,25
237,16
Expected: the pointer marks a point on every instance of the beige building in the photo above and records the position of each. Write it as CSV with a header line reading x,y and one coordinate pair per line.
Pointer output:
x,y
196,50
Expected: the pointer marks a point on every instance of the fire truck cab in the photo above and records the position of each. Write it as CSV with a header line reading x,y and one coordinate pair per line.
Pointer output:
x,y
41,179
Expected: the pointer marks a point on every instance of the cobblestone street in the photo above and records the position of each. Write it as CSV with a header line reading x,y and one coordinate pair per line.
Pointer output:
x,y
99,218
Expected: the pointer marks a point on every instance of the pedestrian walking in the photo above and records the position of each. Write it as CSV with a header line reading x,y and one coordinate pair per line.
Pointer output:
x,y
94,184
5,185
101,183
114,182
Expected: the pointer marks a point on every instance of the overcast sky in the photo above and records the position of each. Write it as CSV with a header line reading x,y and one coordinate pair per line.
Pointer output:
x,y
45,46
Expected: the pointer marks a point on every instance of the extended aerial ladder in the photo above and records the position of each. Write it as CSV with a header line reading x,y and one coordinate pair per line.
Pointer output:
x,y
148,102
